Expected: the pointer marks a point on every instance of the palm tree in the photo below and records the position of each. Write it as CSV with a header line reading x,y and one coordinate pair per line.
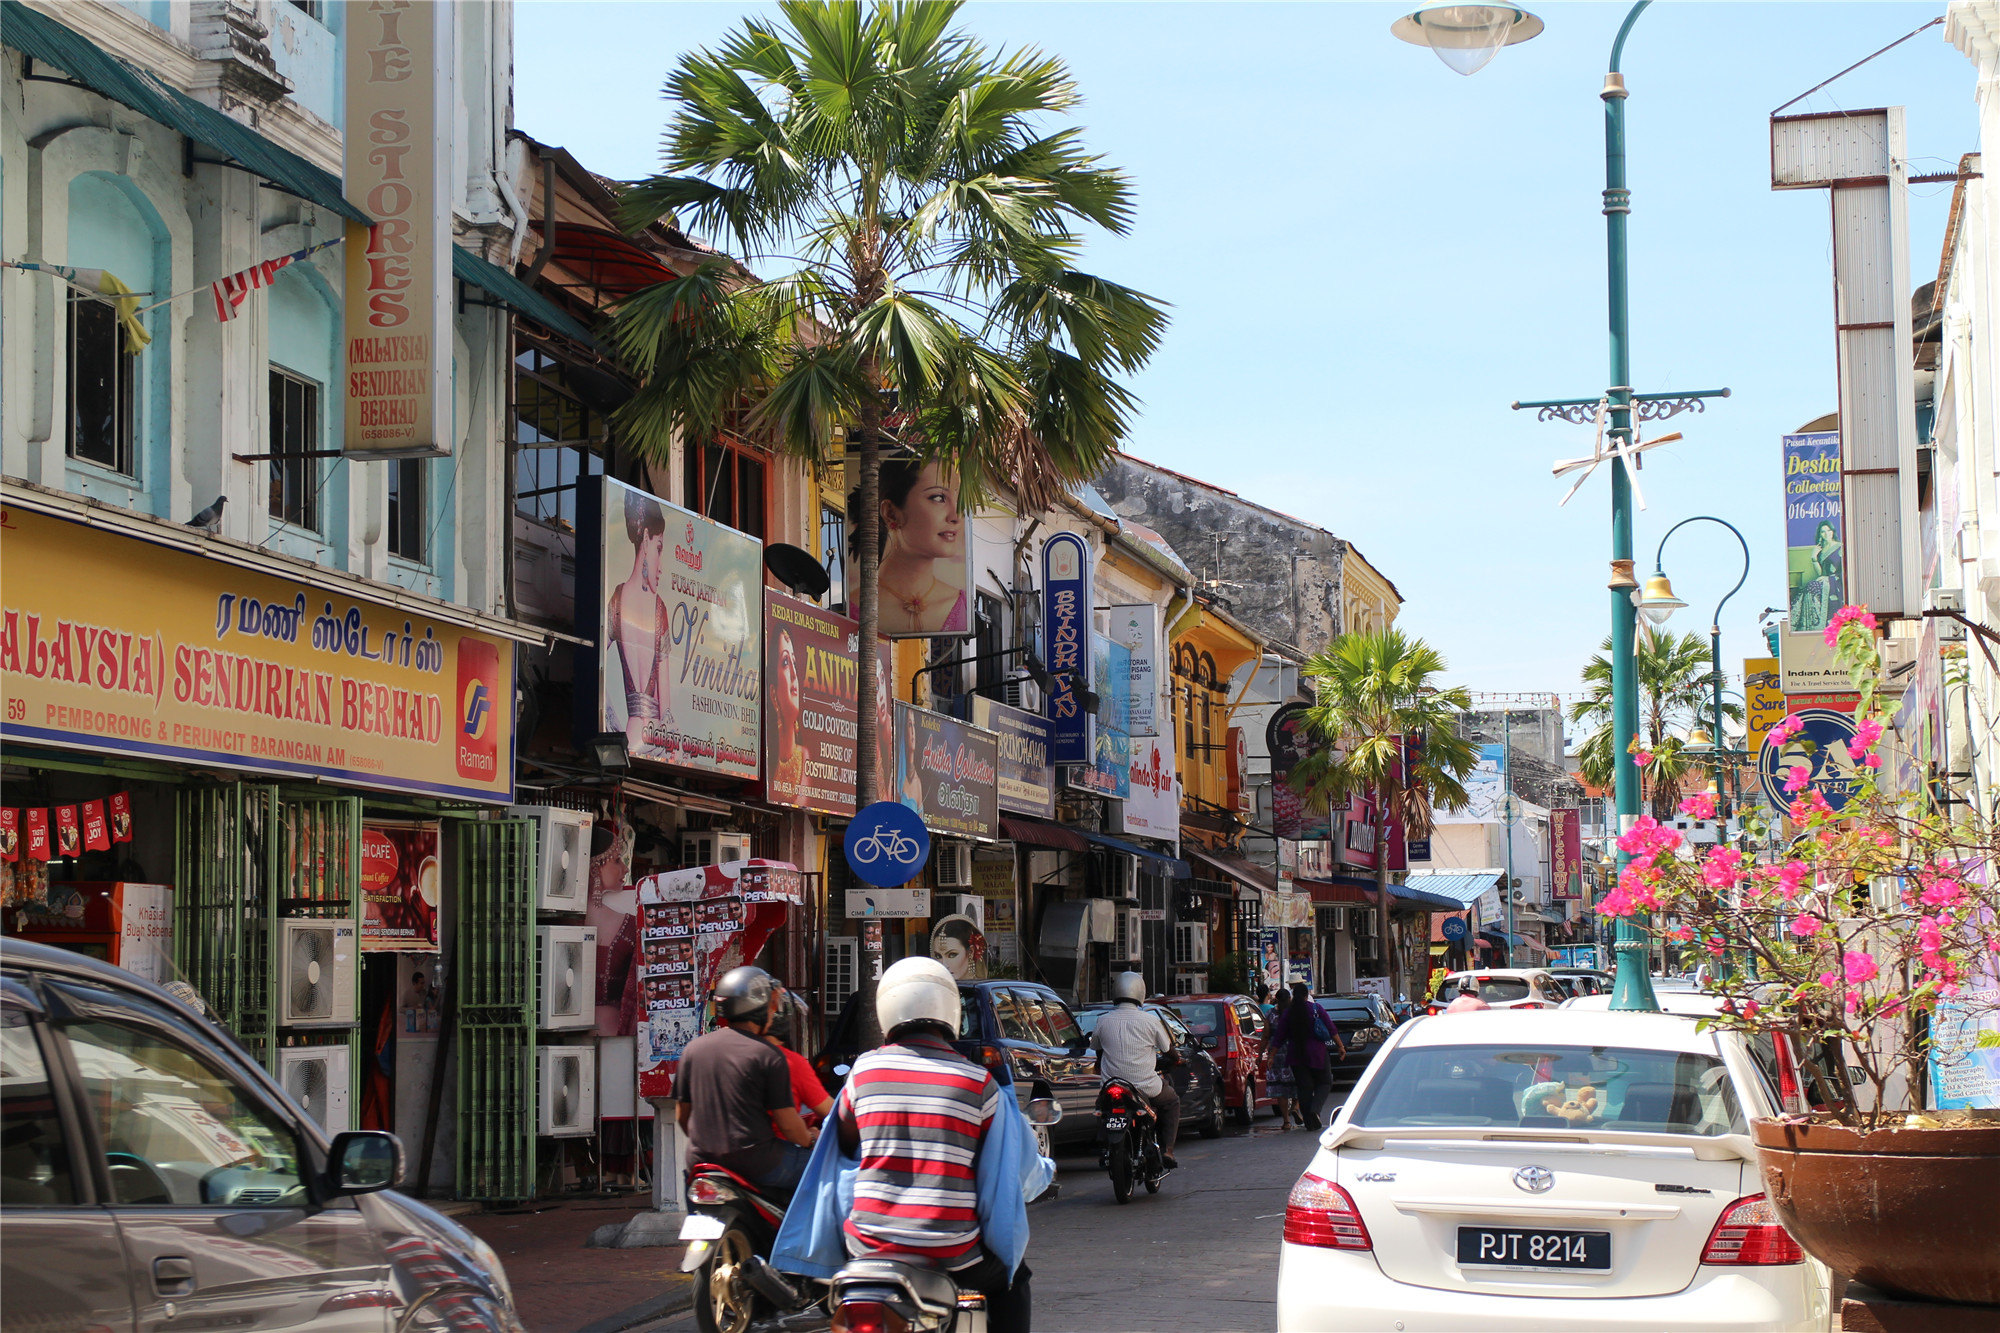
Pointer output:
x,y
1374,689
1674,698
936,210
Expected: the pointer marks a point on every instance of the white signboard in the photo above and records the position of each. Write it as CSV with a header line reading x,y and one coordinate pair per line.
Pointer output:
x,y
1138,628
1153,806
889,902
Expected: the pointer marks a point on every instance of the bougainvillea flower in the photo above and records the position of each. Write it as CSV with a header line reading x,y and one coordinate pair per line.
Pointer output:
x,y
1860,966
1805,925
1798,777
1786,729
1641,758
1701,805
1847,615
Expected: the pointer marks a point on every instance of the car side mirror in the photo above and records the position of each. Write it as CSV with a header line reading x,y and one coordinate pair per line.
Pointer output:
x,y
1044,1111
362,1161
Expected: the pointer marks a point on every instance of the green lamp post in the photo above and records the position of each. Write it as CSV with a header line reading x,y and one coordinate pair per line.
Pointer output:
x,y
1465,37
1658,603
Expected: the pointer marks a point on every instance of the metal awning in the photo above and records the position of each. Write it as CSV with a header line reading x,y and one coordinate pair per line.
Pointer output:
x,y
1041,833
615,265
1156,862
1436,902
63,48
1237,868
1352,892
510,290
1466,886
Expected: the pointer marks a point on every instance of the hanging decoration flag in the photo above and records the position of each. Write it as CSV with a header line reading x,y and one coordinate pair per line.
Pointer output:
x,y
231,291
96,834
10,835
69,838
119,803
38,834
105,286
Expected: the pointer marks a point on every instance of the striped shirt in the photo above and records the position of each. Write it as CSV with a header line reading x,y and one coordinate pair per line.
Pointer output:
x,y
922,1110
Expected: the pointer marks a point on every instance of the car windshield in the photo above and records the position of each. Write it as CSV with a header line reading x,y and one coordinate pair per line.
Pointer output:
x,y
1552,1087
1204,1020
1493,990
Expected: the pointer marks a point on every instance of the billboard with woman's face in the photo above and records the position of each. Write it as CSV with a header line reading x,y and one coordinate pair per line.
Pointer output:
x,y
811,718
925,579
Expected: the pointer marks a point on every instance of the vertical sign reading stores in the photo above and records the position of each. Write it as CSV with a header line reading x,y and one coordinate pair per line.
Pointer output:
x,y
1066,617
398,335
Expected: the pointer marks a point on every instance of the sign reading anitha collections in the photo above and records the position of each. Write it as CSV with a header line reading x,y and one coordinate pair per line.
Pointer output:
x,y
401,102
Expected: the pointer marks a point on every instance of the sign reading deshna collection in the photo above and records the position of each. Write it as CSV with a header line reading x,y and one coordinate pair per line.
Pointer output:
x,y
108,643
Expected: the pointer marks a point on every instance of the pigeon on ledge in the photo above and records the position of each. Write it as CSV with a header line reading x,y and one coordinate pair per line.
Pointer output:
x,y
209,520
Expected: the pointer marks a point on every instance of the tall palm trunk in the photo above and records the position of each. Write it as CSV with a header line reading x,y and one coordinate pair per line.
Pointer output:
x,y
864,594
1382,891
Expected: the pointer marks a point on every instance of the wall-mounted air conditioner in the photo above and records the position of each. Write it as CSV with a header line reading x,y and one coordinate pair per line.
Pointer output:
x,y
1190,983
1362,921
318,961
562,856
1103,921
1190,944
953,863
714,847
568,1091
959,904
1126,948
1121,875
566,961
843,974
1045,867
319,1079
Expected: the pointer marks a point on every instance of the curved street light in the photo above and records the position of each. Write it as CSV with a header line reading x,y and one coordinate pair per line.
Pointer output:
x,y
1465,37
1658,603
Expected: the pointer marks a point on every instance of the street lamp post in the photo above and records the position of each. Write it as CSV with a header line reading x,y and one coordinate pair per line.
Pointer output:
x,y
1500,25
1659,602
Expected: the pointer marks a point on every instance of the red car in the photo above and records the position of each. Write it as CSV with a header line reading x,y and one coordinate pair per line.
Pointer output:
x,y
1231,1029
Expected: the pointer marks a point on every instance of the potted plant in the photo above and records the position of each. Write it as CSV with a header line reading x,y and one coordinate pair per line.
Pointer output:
x,y
1870,934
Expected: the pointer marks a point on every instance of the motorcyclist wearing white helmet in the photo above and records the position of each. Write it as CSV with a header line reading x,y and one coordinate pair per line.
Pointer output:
x,y
916,1113
1129,1042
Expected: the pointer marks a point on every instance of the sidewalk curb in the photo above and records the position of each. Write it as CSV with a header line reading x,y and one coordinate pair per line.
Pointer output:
x,y
659,1307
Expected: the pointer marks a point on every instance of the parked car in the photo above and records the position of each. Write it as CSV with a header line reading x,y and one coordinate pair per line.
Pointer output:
x,y
1364,1022
154,1175
1231,1028
1570,1170
1020,1030
1196,1078
1802,1079
1503,988
1583,980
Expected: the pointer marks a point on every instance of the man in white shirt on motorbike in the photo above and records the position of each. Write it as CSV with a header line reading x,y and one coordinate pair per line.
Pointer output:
x,y
1129,1042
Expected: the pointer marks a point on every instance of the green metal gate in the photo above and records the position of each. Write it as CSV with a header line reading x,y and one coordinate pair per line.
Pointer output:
x,y
492,971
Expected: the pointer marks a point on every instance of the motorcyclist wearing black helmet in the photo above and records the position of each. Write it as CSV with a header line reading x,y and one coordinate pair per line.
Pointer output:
x,y
735,1092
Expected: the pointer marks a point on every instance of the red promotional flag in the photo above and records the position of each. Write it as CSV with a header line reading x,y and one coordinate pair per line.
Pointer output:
x,y
10,835
120,806
69,842
38,834
96,833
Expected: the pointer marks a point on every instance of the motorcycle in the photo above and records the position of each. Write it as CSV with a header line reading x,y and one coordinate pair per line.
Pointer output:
x,y
1129,1130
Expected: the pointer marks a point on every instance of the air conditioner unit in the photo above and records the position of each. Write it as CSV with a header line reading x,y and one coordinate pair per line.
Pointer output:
x,y
1014,693
317,966
1366,946
1046,868
1362,920
566,961
1125,949
1519,895
1190,983
568,1091
318,1078
843,974
959,904
953,864
1946,599
1190,944
562,842
1121,875
714,847
1103,921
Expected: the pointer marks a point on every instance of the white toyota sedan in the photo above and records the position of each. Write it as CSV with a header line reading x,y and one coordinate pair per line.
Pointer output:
x,y
1541,1171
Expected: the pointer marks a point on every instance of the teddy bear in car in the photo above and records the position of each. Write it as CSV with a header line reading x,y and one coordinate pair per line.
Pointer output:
x,y
1579,1106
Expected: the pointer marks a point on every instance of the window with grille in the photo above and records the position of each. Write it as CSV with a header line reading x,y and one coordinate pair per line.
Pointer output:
x,y
725,483
833,553
408,506
557,441
989,644
102,406
843,974
293,410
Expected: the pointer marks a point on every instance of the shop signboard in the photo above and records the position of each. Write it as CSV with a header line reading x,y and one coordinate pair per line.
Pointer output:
x,y
890,902
1965,1075
993,881
1138,629
924,580
1109,772
1815,544
810,715
1764,692
1820,747
1066,608
1287,742
116,645
399,886
947,772
1565,853
397,332
1026,779
1153,795
679,621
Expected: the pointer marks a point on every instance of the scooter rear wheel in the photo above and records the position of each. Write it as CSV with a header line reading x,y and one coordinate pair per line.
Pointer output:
x,y
723,1301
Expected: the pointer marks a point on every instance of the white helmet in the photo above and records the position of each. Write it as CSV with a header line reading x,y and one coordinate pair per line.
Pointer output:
x,y
1129,986
916,990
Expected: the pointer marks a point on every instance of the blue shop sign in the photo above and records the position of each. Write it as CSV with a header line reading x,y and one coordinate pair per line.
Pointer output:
x,y
1066,626
1821,746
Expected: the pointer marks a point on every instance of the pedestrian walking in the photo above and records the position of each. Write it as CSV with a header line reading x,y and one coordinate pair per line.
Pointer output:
x,y
1303,1032
1278,1077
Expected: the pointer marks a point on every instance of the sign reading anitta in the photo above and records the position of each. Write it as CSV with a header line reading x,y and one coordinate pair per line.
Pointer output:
x,y
886,845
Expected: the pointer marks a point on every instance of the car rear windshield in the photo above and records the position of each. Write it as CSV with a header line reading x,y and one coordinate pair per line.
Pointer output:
x,y
1204,1020
1493,990
1552,1087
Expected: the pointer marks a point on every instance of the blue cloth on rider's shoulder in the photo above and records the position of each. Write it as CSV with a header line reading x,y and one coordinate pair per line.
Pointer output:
x,y
1011,1171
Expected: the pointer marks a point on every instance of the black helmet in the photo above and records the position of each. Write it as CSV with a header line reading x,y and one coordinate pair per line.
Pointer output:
x,y
742,993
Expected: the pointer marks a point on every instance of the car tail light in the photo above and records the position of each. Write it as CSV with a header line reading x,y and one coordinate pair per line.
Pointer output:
x,y
993,1058
1320,1213
1749,1233
703,1190
868,1317
1790,1097
1433,1009
1231,1048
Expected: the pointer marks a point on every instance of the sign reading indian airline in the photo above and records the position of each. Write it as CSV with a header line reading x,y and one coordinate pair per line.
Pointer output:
x,y
401,101
1066,625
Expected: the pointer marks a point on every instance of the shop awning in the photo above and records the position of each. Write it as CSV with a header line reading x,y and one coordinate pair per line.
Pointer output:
x,y
63,48
1237,868
510,290
1356,892
1502,937
1041,833
1466,886
1435,902
615,265
1158,864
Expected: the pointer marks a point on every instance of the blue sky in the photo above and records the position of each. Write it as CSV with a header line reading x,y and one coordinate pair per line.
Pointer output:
x,y
1370,257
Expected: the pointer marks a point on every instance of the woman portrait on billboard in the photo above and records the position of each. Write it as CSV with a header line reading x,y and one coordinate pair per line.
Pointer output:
x,y
923,572
911,786
885,739
956,942
638,621
1820,592
788,770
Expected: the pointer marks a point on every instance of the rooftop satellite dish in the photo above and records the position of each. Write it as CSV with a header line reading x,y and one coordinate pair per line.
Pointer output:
x,y
797,570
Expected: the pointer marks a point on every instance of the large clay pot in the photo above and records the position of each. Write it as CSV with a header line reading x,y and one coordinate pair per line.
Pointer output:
x,y
1903,1210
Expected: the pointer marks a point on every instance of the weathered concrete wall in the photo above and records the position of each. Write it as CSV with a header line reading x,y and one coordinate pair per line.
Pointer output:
x,y
1276,574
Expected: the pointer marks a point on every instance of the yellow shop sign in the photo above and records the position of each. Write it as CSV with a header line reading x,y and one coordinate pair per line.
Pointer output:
x,y
110,643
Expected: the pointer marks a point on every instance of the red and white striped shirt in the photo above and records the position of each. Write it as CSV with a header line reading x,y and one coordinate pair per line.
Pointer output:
x,y
923,1110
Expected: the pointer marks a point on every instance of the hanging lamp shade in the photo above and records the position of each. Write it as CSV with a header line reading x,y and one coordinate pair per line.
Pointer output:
x,y
1466,37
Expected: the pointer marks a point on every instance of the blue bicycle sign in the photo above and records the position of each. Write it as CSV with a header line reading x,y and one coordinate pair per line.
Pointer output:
x,y
886,844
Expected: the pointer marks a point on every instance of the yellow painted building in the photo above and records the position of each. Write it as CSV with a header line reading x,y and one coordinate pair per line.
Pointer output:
x,y
1207,647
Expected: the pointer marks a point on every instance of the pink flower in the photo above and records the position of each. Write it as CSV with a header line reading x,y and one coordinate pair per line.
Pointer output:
x,y
1866,733
1786,729
1800,776
1792,876
1860,966
1872,760
1847,615
1828,980
1641,758
1805,925
1750,1008
1701,805
1723,869
1715,947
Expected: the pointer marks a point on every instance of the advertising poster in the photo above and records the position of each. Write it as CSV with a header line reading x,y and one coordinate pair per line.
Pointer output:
x,y
614,910
1764,691
810,715
419,996
1026,780
1288,743
947,771
1815,561
108,643
993,881
699,923
1111,747
1821,748
1138,629
681,628
399,887
1565,853
1066,630
1153,794
925,580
